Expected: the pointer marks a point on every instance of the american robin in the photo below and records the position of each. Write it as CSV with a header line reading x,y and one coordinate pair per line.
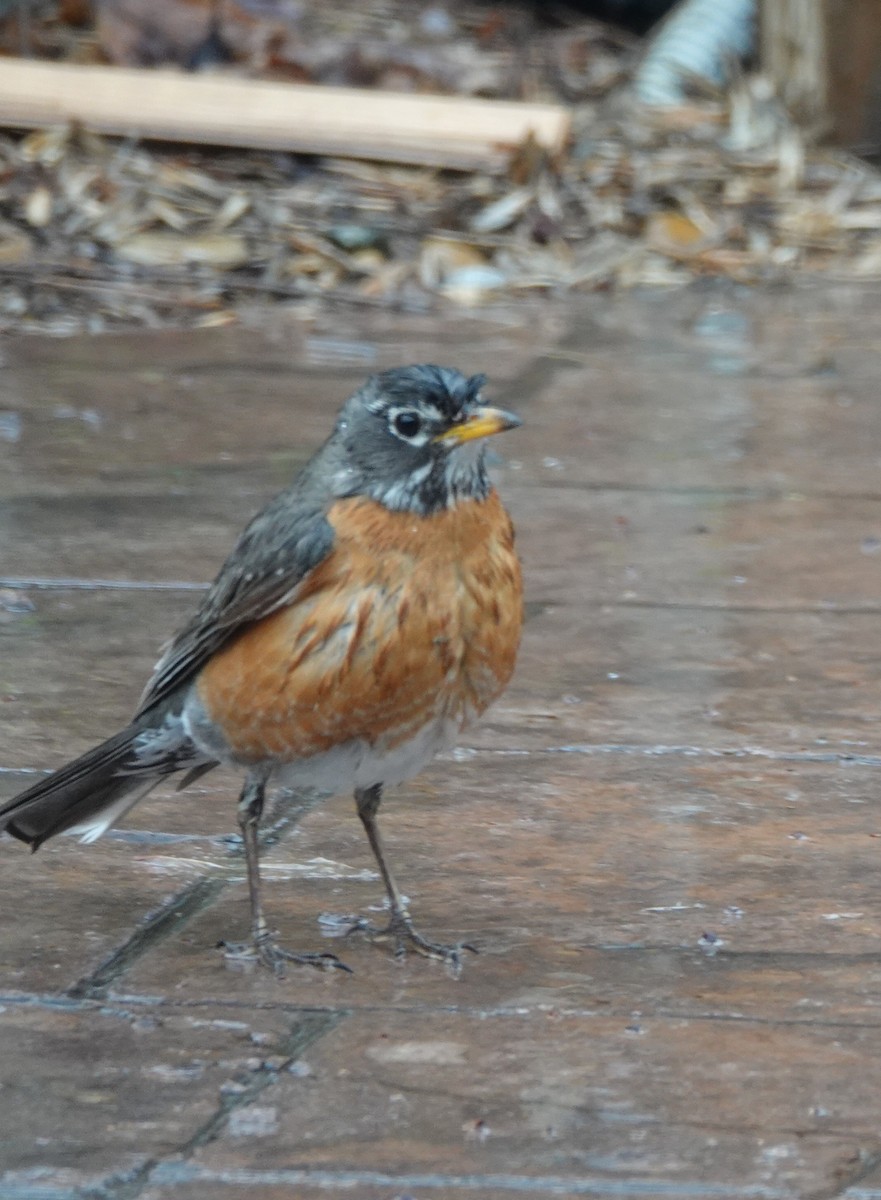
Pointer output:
x,y
368,614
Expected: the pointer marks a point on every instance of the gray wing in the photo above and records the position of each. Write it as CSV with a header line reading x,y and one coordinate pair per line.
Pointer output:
x,y
276,551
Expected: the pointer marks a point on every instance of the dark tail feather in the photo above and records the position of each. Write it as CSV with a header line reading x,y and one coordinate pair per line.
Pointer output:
x,y
93,790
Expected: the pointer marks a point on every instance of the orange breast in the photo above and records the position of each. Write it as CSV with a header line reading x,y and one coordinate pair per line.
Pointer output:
x,y
409,619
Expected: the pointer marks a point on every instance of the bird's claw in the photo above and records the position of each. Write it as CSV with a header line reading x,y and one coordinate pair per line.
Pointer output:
x,y
400,931
264,951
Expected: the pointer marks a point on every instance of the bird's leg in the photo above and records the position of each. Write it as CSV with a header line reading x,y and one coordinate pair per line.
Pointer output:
x,y
263,948
400,927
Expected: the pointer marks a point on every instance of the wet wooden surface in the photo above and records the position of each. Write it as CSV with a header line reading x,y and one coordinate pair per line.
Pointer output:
x,y
665,838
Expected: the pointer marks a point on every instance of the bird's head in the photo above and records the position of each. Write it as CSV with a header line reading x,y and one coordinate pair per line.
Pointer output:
x,y
413,438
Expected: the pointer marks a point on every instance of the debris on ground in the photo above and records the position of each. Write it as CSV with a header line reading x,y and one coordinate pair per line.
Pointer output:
x,y
102,233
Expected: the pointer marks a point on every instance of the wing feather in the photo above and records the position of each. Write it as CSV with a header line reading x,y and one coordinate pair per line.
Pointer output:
x,y
274,554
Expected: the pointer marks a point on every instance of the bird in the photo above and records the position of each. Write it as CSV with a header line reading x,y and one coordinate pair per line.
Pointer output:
x,y
366,615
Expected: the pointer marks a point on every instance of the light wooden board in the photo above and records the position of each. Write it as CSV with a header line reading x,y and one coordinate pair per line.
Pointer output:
x,y
447,131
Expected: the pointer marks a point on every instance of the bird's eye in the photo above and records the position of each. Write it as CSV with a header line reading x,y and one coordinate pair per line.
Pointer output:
x,y
407,424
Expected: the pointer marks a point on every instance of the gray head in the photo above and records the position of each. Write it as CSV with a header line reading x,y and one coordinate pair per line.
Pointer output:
x,y
412,438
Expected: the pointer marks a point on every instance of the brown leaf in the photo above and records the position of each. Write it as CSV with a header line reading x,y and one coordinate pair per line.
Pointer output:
x,y
678,236
224,251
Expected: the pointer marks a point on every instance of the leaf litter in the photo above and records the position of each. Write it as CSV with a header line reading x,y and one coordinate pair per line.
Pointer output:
x,y
99,233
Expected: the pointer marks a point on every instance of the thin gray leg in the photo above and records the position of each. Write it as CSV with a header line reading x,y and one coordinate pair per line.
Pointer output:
x,y
400,927
250,810
263,949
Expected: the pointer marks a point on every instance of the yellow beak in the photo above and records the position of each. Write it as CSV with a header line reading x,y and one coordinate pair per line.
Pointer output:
x,y
483,422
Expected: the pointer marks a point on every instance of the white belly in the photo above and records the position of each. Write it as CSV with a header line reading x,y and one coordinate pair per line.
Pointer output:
x,y
357,764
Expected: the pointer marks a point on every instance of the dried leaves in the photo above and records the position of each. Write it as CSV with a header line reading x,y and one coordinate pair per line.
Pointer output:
x,y
458,47
96,233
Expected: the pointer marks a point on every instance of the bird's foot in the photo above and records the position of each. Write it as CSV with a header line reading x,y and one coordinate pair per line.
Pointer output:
x,y
264,951
404,937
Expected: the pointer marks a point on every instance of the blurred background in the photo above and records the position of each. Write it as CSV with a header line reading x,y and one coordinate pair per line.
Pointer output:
x,y
724,138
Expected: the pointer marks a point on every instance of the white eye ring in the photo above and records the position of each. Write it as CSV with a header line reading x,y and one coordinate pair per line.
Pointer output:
x,y
408,425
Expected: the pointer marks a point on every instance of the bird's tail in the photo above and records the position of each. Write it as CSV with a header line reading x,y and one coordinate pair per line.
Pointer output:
x,y
86,796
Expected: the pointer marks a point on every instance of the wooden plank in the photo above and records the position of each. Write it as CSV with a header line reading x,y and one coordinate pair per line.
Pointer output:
x,y
444,131
825,59
793,53
853,53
